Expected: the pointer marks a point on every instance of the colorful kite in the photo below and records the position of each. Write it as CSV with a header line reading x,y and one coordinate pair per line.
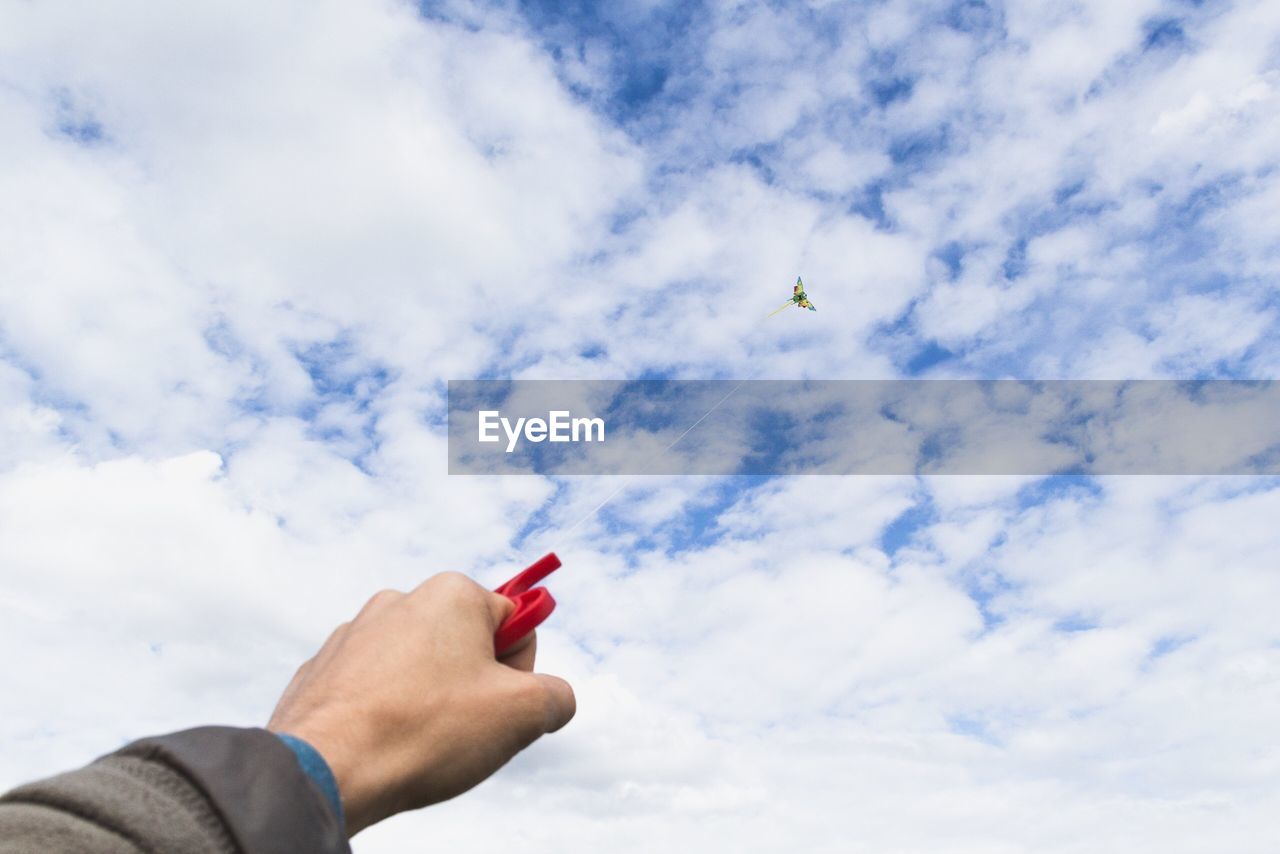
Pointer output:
x,y
798,297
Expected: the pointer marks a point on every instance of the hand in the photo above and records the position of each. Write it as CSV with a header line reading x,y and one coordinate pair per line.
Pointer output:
x,y
409,706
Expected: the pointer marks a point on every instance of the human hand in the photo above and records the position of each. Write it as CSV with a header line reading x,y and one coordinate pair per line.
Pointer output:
x,y
409,706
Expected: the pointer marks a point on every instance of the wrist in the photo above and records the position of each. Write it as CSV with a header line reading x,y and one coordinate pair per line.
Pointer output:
x,y
354,792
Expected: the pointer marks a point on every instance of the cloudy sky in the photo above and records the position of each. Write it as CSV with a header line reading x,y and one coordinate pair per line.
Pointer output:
x,y
243,247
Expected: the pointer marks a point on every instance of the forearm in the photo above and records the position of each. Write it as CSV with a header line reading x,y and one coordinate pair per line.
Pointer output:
x,y
215,789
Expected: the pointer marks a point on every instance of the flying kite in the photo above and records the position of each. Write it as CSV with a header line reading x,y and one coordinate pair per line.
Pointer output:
x,y
798,297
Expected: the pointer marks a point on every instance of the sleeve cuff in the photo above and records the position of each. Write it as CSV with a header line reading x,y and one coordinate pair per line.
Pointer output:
x,y
256,785
314,766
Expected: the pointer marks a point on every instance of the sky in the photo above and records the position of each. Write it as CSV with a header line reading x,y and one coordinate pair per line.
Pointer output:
x,y
244,247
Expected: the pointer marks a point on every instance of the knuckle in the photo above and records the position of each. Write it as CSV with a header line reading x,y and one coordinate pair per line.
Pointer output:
x,y
377,601
451,578
334,640
456,584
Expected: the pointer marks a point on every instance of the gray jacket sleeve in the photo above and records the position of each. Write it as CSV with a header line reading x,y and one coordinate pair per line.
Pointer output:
x,y
212,790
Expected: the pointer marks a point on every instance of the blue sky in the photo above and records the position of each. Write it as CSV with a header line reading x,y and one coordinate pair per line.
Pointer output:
x,y
245,249
694,85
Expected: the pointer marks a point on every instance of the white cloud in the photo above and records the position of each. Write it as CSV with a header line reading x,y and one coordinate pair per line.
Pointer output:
x,y
244,249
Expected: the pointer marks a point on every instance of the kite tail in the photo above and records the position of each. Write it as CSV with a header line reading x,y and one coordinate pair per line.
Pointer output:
x,y
787,304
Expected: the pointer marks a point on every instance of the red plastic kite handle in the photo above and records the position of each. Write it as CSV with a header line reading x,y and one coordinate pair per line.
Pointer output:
x,y
533,604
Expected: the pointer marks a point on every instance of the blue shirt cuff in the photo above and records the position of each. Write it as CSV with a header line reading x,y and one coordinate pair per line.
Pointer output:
x,y
314,766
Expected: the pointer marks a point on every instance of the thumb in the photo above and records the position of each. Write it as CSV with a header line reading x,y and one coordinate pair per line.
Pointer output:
x,y
559,704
